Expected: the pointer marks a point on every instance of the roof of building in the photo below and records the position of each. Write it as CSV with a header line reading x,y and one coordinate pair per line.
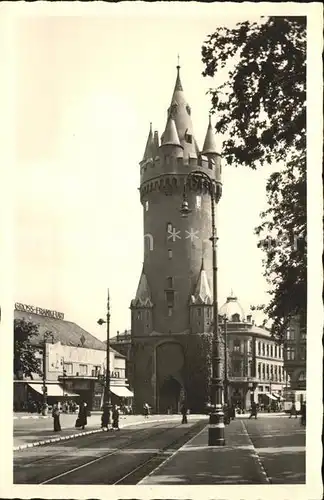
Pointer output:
x,y
143,293
67,332
210,142
202,294
170,135
181,113
148,153
231,308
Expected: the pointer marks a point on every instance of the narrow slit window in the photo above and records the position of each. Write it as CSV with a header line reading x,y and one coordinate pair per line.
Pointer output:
x,y
146,206
170,253
169,227
198,201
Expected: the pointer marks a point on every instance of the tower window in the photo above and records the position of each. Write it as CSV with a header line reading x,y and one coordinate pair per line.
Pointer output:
x,y
198,201
169,298
146,206
188,138
170,253
170,282
199,311
236,345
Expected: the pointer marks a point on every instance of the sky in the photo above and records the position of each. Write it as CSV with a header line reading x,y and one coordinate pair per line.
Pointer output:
x,y
86,90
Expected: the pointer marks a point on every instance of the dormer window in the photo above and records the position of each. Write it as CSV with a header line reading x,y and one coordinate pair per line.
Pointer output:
x,y
236,317
188,138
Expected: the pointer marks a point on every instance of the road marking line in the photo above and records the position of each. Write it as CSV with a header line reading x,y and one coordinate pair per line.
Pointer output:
x,y
256,455
141,482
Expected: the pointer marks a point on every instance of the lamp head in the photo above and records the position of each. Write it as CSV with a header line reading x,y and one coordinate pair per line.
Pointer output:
x,y
185,210
101,321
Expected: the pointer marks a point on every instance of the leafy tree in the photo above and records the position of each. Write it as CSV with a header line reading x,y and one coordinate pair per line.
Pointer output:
x,y
262,105
25,360
262,109
282,235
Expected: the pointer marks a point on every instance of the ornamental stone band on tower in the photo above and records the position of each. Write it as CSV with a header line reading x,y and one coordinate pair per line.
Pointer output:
x,y
171,314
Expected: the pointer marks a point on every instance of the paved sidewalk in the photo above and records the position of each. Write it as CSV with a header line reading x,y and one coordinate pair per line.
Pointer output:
x,y
197,463
30,437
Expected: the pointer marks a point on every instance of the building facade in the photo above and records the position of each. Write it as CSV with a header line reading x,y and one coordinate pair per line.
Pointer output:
x,y
255,359
73,360
295,359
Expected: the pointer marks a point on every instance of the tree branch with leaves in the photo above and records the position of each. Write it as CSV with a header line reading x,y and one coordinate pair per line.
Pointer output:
x,y
261,108
25,359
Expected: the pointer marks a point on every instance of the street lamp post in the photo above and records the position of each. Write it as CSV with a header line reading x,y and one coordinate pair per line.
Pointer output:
x,y
226,381
107,378
45,338
216,420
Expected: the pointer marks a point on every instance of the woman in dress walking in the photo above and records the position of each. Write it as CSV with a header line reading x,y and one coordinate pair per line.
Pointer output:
x,y
115,418
56,418
82,416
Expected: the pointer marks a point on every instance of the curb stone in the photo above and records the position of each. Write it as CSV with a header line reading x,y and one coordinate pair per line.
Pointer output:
x,y
86,433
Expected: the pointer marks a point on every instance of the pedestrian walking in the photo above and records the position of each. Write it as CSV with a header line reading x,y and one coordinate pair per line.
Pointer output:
x,y
293,411
303,414
105,417
254,410
146,410
184,412
56,418
82,416
115,418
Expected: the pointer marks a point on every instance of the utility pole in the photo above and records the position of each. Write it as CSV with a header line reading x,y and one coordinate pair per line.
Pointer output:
x,y
107,378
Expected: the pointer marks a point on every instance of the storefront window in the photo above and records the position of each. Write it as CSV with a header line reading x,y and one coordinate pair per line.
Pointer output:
x,y
83,369
68,368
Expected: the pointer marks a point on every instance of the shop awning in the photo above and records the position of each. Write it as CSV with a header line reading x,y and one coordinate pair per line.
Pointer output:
x,y
270,396
121,391
54,390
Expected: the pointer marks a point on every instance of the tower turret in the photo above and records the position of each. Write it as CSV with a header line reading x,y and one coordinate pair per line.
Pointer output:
x,y
209,147
149,148
141,307
201,304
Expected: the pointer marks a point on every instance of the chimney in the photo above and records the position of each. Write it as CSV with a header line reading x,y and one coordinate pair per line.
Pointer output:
x,y
249,318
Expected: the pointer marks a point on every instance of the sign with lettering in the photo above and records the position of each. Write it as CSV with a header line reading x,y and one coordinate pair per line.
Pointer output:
x,y
38,310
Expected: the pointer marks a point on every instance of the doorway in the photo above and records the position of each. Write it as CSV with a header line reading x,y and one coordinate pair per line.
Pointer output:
x,y
169,395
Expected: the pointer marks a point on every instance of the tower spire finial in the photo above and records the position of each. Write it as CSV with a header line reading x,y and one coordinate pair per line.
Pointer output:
x,y
178,66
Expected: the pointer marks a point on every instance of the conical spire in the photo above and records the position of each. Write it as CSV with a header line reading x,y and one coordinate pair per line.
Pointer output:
x,y
170,136
209,144
178,84
148,153
143,294
180,112
202,293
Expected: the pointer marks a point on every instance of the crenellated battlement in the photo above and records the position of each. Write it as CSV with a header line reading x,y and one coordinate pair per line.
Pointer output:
x,y
154,168
170,183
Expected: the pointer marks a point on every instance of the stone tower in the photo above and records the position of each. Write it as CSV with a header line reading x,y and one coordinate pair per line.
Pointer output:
x,y
171,320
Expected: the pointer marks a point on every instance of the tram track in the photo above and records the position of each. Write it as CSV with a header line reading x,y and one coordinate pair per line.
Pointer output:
x,y
143,469
88,443
130,464
34,470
